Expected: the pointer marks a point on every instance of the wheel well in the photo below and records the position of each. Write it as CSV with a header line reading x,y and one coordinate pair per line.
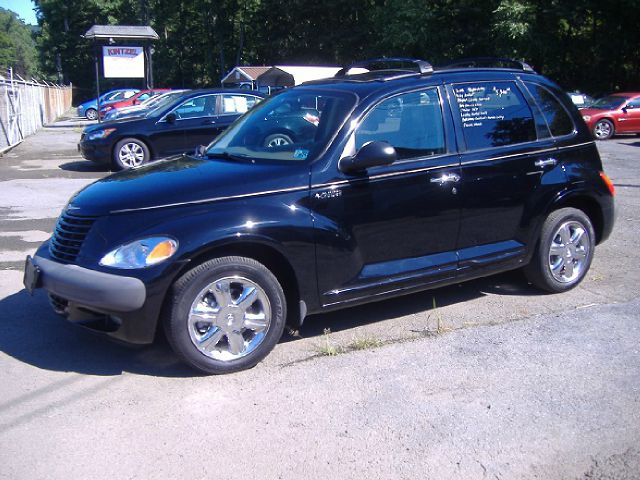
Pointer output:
x,y
591,208
610,120
281,130
270,258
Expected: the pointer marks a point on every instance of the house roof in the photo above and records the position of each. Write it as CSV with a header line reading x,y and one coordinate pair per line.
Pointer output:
x,y
249,73
285,75
133,32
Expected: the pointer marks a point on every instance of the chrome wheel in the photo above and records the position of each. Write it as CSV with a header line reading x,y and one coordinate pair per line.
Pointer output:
x,y
569,252
229,318
603,130
91,114
131,155
277,140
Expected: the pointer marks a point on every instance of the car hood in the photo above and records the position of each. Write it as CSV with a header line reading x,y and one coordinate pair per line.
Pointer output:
x,y
128,122
183,181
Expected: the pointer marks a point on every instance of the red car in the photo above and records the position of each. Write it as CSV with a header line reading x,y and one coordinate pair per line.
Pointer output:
x,y
134,100
616,113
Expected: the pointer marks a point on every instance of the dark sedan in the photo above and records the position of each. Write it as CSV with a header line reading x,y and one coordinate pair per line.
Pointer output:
x,y
192,119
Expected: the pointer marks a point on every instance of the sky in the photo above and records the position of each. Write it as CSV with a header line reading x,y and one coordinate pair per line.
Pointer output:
x,y
24,9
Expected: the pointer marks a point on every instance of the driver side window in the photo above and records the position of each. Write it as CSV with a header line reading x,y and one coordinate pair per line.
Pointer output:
x,y
412,123
204,106
635,103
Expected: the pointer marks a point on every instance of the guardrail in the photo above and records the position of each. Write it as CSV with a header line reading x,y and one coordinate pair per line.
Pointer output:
x,y
27,105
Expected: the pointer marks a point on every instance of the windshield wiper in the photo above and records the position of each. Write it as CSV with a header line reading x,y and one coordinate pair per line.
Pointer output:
x,y
226,156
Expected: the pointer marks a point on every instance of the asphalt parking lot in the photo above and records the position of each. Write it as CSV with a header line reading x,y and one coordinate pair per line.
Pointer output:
x,y
488,379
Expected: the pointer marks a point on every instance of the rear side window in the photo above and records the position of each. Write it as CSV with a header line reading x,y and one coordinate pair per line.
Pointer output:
x,y
234,104
494,114
557,118
411,123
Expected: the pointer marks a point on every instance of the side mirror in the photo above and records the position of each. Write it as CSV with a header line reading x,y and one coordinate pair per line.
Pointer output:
x,y
371,154
136,101
171,117
201,150
624,110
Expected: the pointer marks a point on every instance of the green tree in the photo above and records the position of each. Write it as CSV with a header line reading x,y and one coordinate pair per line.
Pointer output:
x,y
17,46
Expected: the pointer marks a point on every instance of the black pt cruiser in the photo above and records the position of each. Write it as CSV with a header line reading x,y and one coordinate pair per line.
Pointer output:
x,y
413,178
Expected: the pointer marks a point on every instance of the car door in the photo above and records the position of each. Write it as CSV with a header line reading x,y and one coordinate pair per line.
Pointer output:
x,y
394,227
200,123
185,126
629,119
168,132
508,162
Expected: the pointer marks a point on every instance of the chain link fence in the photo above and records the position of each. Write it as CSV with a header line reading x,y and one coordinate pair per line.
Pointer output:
x,y
25,106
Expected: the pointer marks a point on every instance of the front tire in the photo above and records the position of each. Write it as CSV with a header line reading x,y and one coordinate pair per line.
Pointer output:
x,y
130,153
225,315
564,252
91,114
603,129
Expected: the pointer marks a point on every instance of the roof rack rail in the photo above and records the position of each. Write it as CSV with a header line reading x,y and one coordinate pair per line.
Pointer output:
x,y
423,66
491,62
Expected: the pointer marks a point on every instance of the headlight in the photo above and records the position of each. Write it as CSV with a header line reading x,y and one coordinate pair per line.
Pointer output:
x,y
586,118
98,134
141,253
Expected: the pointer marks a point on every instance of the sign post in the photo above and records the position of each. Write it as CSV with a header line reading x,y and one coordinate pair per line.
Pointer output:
x,y
123,61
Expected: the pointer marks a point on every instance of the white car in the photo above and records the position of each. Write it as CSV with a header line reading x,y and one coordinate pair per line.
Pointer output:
x,y
146,105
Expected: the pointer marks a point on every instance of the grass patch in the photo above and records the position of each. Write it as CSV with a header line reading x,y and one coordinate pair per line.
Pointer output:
x,y
365,343
327,347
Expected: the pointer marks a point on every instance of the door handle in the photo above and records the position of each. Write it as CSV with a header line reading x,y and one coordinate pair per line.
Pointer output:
x,y
549,162
446,178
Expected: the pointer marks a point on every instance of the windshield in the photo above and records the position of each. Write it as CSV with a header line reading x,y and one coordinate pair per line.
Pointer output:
x,y
295,125
612,102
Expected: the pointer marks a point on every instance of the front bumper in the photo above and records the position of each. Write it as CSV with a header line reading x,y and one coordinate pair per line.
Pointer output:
x,y
95,151
122,307
96,290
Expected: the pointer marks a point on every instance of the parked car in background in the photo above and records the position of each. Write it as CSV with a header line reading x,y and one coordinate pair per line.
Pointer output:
x,y
616,113
136,99
192,119
580,100
291,122
414,179
89,109
144,106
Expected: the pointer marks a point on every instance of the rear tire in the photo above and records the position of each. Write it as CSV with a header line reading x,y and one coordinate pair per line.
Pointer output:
x,y
564,252
225,315
277,140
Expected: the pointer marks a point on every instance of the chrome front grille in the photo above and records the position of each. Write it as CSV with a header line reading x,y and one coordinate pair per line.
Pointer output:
x,y
67,238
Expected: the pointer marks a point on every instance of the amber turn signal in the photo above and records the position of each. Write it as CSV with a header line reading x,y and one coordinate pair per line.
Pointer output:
x,y
607,181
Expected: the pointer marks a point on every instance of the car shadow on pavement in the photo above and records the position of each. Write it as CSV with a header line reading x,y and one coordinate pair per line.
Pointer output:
x,y
508,283
84,166
31,333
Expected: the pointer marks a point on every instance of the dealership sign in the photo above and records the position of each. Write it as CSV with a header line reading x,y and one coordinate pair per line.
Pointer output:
x,y
123,62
